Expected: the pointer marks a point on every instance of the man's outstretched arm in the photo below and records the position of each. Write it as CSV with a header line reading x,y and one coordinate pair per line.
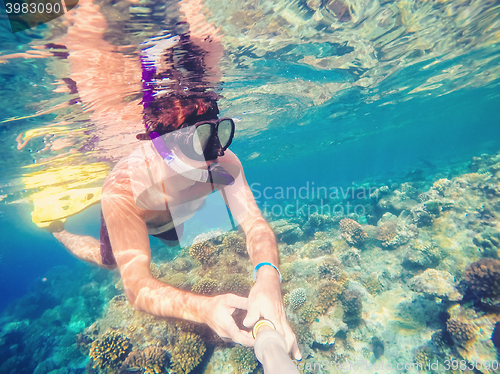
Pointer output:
x,y
265,298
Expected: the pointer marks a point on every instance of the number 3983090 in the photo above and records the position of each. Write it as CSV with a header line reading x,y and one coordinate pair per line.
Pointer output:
x,y
34,8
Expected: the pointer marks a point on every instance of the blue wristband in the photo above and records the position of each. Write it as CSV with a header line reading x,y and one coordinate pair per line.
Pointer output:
x,y
263,264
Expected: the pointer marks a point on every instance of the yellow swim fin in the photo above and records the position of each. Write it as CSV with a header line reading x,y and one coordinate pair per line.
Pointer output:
x,y
64,191
64,204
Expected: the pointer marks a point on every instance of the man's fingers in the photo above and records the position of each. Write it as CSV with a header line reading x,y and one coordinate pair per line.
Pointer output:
x,y
241,337
252,317
237,302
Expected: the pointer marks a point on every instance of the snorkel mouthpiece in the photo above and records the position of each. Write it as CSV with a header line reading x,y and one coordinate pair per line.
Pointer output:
x,y
219,175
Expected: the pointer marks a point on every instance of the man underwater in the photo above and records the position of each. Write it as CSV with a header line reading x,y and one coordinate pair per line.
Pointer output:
x,y
184,158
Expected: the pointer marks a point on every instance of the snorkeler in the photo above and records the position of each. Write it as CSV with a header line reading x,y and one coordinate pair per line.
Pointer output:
x,y
183,158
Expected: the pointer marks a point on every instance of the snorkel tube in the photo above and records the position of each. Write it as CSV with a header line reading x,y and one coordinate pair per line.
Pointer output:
x,y
271,350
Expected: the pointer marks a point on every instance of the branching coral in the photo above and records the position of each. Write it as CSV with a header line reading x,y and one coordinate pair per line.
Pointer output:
x,y
352,232
151,360
461,332
483,278
110,350
202,251
243,360
187,353
309,313
297,298
329,292
205,286
235,243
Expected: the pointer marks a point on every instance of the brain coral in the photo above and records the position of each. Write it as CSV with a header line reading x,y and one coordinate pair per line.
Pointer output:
x,y
187,353
110,350
297,298
352,231
235,243
243,360
202,251
151,360
483,278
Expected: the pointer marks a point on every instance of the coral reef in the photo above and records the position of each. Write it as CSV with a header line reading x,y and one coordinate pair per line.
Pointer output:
x,y
83,342
460,331
358,299
203,252
483,278
488,241
423,355
286,232
352,232
297,298
243,360
150,360
177,280
181,264
353,306
330,268
155,271
308,313
205,286
109,351
187,353
317,222
328,293
235,243
235,283
436,283
372,284
387,232
393,233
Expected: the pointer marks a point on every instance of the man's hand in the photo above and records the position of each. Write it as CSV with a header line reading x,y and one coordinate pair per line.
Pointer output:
x,y
218,315
265,301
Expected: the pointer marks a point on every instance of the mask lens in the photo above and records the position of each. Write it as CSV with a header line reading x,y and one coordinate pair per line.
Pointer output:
x,y
201,137
225,131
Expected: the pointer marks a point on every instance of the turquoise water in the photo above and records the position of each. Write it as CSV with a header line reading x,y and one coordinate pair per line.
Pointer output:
x,y
394,93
